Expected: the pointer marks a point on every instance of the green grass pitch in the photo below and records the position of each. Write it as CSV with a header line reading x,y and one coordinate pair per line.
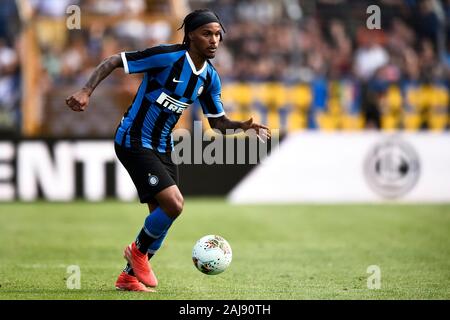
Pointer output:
x,y
279,252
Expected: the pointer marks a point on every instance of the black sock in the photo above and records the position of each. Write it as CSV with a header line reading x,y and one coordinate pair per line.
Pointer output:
x,y
143,241
129,270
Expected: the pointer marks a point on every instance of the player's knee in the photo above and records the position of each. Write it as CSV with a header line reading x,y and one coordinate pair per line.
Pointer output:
x,y
179,206
174,206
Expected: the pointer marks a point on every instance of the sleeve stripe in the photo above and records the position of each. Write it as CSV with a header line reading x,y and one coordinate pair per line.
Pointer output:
x,y
125,62
210,115
149,52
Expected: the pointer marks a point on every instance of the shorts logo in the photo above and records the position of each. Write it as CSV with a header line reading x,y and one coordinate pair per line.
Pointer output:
x,y
152,179
392,168
200,90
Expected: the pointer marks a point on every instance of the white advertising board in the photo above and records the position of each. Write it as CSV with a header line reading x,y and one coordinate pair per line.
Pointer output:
x,y
319,167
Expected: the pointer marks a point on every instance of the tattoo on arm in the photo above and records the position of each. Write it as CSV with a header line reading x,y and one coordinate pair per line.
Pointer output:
x,y
102,71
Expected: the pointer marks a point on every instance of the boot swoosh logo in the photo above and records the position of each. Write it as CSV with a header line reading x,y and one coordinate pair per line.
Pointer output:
x,y
175,80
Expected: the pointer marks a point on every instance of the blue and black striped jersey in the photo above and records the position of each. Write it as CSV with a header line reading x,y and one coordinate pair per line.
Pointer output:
x,y
170,84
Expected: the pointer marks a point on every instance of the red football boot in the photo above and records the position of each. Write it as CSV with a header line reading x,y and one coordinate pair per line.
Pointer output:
x,y
141,266
126,282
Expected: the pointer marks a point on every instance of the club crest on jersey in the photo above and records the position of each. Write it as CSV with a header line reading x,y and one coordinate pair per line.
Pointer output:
x,y
200,90
152,179
171,103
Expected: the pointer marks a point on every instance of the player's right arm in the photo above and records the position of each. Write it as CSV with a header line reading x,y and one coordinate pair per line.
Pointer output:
x,y
132,62
80,99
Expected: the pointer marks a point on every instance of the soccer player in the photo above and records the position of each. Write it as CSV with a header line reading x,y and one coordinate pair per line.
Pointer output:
x,y
174,77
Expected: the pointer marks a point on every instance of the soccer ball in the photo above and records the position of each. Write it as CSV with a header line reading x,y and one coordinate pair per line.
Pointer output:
x,y
212,254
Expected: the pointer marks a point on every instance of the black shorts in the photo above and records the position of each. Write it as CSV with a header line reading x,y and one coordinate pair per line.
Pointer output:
x,y
150,170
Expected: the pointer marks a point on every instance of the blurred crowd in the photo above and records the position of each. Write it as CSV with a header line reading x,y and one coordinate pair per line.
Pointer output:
x,y
10,82
384,78
269,40
68,56
327,44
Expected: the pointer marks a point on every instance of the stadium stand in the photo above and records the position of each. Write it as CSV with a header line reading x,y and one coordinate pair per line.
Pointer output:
x,y
294,65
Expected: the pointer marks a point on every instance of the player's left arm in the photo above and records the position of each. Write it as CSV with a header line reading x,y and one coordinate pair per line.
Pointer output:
x,y
213,109
223,123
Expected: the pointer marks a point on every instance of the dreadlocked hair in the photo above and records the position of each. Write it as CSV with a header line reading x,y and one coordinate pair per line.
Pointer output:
x,y
191,20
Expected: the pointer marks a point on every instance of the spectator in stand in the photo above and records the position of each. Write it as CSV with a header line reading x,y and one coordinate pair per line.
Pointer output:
x,y
9,88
